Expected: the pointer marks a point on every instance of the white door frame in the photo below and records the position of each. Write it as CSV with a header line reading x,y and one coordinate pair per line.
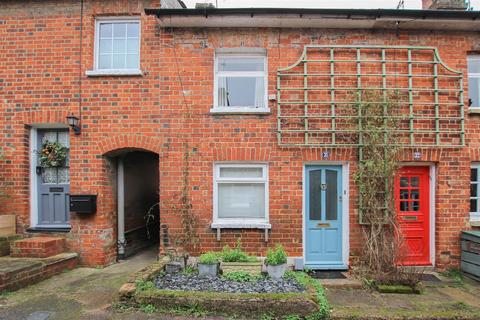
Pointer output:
x,y
33,167
433,183
345,206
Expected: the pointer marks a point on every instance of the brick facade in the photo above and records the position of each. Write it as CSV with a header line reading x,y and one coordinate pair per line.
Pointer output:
x,y
157,112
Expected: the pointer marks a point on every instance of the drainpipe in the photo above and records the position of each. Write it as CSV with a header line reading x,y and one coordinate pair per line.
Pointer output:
x,y
121,208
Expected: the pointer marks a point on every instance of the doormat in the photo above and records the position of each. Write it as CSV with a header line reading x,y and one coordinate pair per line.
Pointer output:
x,y
430,278
327,275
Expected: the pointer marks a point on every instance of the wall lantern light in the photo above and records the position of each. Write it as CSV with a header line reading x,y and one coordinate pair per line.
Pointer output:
x,y
74,123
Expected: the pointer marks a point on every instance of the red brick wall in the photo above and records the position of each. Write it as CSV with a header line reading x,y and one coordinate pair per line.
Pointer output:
x,y
158,113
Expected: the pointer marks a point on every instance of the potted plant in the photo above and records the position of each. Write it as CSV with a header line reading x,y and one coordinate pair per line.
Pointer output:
x,y
276,262
234,260
208,264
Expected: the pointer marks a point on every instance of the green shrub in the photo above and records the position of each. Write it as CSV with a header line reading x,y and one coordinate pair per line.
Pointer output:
x,y
148,308
236,254
143,285
276,256
209,258
240,276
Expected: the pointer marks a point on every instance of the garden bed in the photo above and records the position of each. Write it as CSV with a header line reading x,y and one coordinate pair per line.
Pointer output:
x,y
194,282
296,294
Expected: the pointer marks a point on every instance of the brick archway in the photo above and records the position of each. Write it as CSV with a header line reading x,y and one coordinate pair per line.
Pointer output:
x,y
111,145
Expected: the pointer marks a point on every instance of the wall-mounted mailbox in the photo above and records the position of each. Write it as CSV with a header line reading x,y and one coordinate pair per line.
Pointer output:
x,y
84,203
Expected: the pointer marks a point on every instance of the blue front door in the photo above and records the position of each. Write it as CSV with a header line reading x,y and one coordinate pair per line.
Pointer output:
x,y
323,217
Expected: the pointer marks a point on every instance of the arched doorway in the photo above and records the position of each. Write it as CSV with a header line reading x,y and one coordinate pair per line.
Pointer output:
x,y
138,212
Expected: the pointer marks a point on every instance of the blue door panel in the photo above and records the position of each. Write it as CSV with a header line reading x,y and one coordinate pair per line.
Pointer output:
x,y
323,217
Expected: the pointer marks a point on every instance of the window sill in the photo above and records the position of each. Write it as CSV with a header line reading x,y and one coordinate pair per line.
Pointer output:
x,y
474,220
241,225
474,111
115,73
239,110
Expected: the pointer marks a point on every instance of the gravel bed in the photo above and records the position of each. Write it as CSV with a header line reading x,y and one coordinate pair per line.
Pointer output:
x,y
192,282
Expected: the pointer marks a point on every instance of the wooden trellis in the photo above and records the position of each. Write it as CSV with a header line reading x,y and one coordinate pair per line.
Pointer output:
x,y
318,96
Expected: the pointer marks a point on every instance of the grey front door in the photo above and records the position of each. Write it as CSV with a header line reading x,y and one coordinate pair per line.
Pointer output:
x,y
53,184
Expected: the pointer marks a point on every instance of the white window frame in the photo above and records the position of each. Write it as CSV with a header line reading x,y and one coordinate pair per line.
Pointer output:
x,y
241,223
473,75
475,216
115,72
240,109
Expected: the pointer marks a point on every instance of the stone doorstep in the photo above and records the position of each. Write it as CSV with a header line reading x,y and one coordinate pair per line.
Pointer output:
x,y
16,273
347,282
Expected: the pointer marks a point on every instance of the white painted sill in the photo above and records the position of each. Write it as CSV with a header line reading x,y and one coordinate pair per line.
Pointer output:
x,y
114,72
474,220
239,110
241,225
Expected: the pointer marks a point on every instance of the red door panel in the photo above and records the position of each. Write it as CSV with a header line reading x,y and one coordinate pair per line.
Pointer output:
x,y
412,200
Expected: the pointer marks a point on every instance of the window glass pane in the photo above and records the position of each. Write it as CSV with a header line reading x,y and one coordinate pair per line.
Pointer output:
x,y
473,64
105,46
132,46
241,172
241,200
415,205
415,194
473,205
332,195
403,182
63,175
49,175
315,195
473,190
414,181
240,64
119,46
105,30
105,61
132,61
473,84
133,30
403,206
473,174
403,194
241,91
118,61
119,30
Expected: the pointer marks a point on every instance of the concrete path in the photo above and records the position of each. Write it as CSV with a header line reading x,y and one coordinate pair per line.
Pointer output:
x,y
83,293
88,294
446,300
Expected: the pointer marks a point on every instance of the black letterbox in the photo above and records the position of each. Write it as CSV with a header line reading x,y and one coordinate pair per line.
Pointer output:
x,y
84,203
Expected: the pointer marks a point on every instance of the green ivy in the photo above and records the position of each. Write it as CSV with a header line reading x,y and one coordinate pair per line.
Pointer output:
x,y
320,298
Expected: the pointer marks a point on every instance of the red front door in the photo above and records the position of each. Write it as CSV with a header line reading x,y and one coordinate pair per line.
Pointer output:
x,y
412,200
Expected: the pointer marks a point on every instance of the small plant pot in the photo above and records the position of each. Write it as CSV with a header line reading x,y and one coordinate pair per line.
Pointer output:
x,y
276,272
252,268
207,270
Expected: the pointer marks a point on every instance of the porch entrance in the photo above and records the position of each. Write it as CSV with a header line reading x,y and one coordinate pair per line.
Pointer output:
x,y
137,202
412,200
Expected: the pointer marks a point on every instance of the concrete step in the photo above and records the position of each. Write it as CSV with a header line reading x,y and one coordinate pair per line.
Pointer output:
x,y
37,247
16,273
